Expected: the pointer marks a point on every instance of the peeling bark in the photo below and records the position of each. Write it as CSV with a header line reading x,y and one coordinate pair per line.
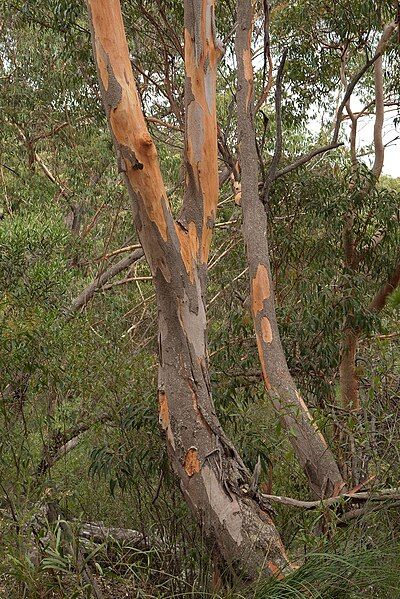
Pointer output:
x,y
310,447
213,478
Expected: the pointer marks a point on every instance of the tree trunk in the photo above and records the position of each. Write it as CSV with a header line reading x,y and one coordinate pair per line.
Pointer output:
x,y
349,387
310,447
213,478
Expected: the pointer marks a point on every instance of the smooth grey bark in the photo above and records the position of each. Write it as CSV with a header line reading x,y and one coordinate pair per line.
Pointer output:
x,y
310,447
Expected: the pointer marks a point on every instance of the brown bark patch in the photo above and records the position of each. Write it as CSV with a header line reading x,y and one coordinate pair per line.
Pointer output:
x,y
260,289
192,463
248,74
266,329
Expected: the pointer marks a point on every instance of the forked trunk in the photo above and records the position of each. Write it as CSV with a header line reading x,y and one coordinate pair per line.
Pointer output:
x,y
213,478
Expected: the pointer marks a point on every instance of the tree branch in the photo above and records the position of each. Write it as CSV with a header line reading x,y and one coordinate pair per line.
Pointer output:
x,y
387,32
278,117
86,295
306,158
379,301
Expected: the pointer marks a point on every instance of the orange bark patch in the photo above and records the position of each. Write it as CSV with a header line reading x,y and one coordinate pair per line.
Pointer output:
x,y
189,245
164,418
260,289
202,125
125,112
163,410
192,462
275,570
266,329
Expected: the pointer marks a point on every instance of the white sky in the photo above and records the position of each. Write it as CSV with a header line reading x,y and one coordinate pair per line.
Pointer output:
x,y
365,135
365,130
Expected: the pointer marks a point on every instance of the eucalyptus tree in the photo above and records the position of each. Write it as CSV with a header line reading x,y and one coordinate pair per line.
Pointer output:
x,y
338,54
213,477
294,204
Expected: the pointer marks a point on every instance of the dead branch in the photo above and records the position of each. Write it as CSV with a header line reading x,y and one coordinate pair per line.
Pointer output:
x,y
98,533
86,295
384,495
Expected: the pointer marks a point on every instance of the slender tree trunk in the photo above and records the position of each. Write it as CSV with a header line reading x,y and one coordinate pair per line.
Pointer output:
x,y
349,386
213,478
311,449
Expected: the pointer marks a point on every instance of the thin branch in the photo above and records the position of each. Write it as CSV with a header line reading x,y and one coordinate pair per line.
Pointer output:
x,y
11,170
379,301
123,282
87,294
278,143
306,158
267,58
153,119
123,250
53,453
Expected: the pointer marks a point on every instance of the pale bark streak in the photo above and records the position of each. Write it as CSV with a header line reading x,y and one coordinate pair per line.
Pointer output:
x,y
379,116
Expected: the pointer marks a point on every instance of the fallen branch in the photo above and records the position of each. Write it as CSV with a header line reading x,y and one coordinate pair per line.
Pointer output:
x,y
366,510
98,533
384,495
